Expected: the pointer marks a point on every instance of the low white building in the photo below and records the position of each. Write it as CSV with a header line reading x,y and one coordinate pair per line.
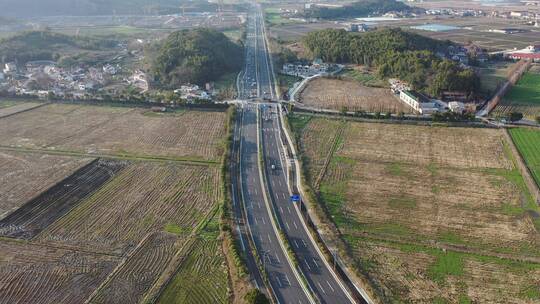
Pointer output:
x,y
192,92
110,69
456,107
397,85
421,103
10,68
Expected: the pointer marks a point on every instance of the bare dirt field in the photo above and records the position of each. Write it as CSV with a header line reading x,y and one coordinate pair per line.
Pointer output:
x,y
25,175
142,198
110,130
432,214
36,274
337,94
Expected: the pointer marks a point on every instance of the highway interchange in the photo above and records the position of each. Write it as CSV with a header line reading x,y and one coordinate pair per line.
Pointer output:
x,y
266,217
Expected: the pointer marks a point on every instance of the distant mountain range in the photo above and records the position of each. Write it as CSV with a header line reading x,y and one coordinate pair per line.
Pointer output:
x,y
33,8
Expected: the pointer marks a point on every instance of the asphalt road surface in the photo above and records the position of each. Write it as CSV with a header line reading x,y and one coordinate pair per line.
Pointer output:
x,y
254,206
317,272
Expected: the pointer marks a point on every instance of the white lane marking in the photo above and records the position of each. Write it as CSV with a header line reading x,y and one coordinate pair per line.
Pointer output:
x,y
289,209
321,287
277,258
259,204
307,264
279,282
296,243
255,219
280,209
255,191
295,225
315,262
284,197
304,242
269,239
288,281
330,286
264,222
287,225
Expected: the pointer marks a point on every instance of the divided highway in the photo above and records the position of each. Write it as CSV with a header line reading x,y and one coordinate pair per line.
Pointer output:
x,y
261,195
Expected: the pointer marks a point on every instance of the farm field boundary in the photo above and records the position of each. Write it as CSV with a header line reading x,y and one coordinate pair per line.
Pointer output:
x,y
125,104
127,157
19,108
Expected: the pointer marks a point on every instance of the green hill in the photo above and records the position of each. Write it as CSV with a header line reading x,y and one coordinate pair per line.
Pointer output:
x,y
196,56
45,45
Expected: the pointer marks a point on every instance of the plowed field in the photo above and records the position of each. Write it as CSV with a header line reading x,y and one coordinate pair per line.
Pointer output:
x,y
118,131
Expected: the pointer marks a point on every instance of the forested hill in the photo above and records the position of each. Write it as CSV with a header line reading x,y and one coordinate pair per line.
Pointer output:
x,y
357,9
341,46
33,8
196,56
395,53
45,45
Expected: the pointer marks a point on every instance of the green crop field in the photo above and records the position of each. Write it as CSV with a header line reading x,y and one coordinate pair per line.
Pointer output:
x,y
528,144
202,276
527,90
524,97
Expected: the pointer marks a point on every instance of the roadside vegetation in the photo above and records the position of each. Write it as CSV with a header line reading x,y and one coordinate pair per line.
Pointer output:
x,y
427,214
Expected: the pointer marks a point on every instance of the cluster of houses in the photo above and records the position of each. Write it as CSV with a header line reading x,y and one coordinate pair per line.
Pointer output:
x,y
456,12
192,93
531,52
45,78
463,54
317,67
453,101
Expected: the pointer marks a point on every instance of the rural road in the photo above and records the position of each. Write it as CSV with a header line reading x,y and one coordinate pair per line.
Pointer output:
x,y
262,204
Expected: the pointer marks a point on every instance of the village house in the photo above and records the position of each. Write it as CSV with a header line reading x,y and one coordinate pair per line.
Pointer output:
x,y
317,67
421,103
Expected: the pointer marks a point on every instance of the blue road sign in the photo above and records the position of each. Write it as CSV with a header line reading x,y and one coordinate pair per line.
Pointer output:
x,y
295,198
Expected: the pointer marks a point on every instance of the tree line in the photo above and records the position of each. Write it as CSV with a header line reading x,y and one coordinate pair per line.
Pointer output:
x,y
356,9
396,54
46,45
